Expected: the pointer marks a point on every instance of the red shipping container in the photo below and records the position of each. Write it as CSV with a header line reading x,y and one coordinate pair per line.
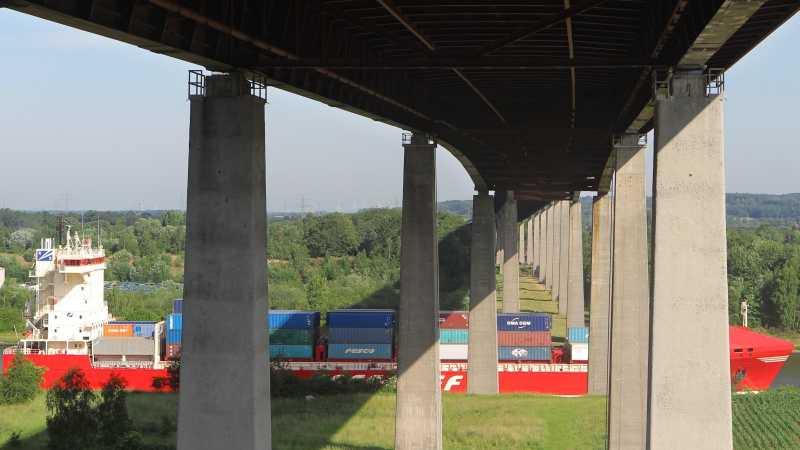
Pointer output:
x,y
453,319
523,338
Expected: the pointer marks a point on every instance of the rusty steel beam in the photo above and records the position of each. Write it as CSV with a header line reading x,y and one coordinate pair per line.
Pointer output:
x,y
544,24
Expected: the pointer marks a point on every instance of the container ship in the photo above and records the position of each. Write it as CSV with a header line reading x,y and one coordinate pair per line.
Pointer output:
x,y
69,326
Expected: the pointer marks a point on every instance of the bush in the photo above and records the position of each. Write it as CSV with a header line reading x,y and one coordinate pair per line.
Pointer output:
x,y
21,381
71,419
112,412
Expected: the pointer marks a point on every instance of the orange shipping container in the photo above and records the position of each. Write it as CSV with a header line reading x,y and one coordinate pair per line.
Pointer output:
x,y
118,330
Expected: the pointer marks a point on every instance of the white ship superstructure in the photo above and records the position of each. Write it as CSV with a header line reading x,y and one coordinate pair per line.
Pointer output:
x,y
68,311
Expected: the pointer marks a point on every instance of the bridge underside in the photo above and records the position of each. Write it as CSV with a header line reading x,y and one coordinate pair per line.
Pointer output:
x,y
526,94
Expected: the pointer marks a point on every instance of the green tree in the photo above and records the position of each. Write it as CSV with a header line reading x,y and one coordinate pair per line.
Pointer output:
x,y
119,266
784,294
71,419
331,235
112,412
21,381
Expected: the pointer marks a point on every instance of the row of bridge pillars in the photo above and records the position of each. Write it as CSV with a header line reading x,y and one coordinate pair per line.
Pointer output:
x,y
659,336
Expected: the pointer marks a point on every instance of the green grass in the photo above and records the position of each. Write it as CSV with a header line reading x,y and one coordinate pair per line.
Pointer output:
x,y
7,338
769,420
533,297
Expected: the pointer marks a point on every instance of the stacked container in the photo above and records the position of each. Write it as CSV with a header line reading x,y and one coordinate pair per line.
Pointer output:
x,y
129,328
173,330
453,335
292,334
523,337
578,339
177,306
360,334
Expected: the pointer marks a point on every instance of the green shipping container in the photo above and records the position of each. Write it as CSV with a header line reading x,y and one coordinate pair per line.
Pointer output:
x,y
286,336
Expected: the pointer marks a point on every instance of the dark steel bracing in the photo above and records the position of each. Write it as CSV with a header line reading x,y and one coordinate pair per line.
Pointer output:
x,y
526,93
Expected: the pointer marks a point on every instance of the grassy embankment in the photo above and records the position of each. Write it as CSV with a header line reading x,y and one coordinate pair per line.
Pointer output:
x,y
534,297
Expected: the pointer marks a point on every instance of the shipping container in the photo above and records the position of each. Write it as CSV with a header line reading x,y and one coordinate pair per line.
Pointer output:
x,y
453,319
361,318
297,320
174,321
173,337
523,338
177,306
360,351
578,334
523,322
453,336
514,353
118,330
291,351
453,352
360,335
579,352
287,336
173,351
140,328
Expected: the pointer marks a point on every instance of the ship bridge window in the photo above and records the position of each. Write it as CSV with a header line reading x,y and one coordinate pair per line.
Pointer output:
x,y
737,350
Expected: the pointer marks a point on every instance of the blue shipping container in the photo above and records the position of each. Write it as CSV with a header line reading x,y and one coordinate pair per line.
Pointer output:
x,y
578,335
361,318
360,335
453,336
290,351
144,329
523,322
174,322
296,320
523,353
177,306
173,336
360,351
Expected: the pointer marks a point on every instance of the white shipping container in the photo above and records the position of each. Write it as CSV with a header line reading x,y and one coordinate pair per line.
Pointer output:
x,y
579,352
453,351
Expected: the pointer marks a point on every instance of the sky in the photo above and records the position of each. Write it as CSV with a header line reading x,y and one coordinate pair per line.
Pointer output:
x,y
91,123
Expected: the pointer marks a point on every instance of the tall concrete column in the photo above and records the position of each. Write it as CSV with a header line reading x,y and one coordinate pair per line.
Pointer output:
x,y
554,251
499,253
563,257
511,255
418,422
535,249
600,308
482,363
690,285
630,299
544,245
521,255
575,294
224,397
530,250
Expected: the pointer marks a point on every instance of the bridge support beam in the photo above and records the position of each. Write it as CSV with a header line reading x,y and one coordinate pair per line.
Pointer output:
x,y
630,316
530,251
225,277
563,257
522,255
510,254
575,307
545,247
599,312
555,249
690,322
482,363
418,422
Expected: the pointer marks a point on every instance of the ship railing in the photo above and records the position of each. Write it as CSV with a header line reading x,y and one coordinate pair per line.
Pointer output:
x,y
123,364
24,351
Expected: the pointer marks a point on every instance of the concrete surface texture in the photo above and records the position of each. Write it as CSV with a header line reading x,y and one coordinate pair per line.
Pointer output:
x,y
225,274
544,246
575,308
690,394
530,248
563,257
554,251
630,300
600,297
418,422
482,363
510,255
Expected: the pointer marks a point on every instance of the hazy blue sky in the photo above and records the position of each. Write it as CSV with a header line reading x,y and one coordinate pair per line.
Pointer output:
x,y
103,125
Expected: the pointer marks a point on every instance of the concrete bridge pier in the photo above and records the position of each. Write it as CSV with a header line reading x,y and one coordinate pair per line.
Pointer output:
x,y
225,276
536,247
563,256
690,387
600,313
575,307
530,250
418,422
630,315
553,270
544,247
482,363
522,254
510,254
